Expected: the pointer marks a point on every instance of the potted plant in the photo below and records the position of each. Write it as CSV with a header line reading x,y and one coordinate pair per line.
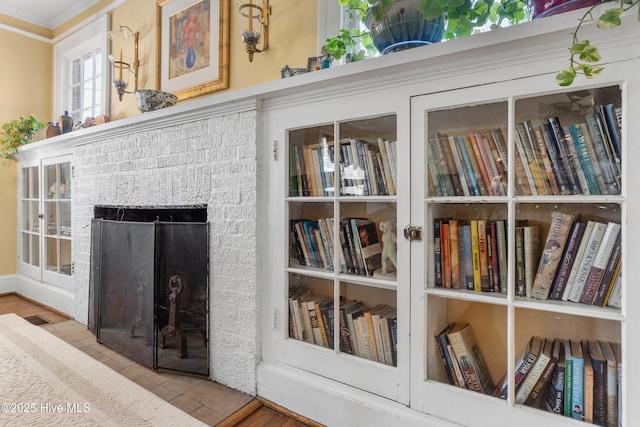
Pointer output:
x,y
398,24
16,133
584,57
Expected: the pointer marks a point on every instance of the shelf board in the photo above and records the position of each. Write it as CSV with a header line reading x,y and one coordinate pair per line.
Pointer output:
x,y
465,295
568,307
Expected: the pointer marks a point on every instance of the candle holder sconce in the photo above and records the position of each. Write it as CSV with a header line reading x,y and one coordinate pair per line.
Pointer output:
x,y
122,66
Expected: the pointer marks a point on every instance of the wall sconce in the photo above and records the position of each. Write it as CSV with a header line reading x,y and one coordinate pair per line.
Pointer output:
x,y
254,24
122,66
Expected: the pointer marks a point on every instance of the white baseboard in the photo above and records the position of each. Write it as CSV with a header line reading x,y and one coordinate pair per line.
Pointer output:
x,y
61,300
8,284
335,404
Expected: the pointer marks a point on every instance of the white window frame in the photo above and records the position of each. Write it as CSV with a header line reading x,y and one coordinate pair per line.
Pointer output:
x,y
330,20
86,39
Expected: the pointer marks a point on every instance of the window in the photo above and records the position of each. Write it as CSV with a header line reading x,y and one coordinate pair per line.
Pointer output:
x,y
82,85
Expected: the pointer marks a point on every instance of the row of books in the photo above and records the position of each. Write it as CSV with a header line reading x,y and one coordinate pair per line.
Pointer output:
x,y
580,262
366,168
550,158
367,332
470,254
473,164
578,158
359,251
574,378
462,359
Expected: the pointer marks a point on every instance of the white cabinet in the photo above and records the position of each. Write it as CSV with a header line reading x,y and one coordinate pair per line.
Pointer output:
x,y
44,226
475,90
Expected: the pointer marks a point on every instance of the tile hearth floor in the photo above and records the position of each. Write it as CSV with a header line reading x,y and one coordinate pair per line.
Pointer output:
x,y
206,400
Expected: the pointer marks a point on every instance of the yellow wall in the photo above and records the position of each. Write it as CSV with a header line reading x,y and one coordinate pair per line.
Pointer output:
x,y
27,76
26,88
292,39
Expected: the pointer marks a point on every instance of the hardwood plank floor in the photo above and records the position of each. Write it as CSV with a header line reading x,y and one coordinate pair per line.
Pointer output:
x,y
208,401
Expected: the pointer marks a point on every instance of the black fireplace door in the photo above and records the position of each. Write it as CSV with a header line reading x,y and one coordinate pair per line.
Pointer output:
x,y
150,286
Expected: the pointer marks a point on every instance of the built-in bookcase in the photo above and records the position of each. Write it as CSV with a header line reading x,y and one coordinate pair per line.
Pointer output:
x,y
491,188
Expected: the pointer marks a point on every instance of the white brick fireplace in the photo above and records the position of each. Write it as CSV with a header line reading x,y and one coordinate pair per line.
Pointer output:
x,y
191,157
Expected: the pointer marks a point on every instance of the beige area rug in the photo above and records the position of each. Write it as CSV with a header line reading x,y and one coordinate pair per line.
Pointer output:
x,y
46,382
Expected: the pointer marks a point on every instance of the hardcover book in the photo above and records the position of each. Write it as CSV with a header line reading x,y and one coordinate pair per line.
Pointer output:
x,y
577,381
551,253
599,266
578,258
535,373
587,261
555,393
568,258
472,363
524,363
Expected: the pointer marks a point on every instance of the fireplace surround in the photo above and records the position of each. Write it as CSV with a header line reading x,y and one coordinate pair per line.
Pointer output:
x,y
149,285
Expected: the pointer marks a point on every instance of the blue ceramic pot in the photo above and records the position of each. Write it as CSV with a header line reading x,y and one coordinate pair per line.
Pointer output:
x,y
404,26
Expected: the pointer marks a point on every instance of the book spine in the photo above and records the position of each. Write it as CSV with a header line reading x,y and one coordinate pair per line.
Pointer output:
x,y
482,164
470,174
386,166
490,137
609,274
587,261
501,237
454,254
519,249
575,158
475,165
596,274
460,165
585,159
565,156
531,158
551,253
446,360
492,168
437,252
475,254
605,162
531,256
451,165
546,161
468,257
443,167
446,254
568,258
554,159
484,260
578,259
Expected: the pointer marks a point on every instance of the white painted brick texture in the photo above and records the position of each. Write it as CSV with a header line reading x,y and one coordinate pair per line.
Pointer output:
x,y
212,162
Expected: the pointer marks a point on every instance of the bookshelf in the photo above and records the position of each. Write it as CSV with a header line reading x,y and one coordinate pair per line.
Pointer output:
x,y
500,108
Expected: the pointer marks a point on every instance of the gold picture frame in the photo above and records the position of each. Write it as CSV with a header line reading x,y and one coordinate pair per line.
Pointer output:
x,y
192,47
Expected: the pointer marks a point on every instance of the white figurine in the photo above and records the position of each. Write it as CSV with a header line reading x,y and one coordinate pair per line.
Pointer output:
x,y
389,249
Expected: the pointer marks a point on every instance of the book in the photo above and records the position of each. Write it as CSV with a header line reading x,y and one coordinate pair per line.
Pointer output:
x,y
368,244
437,252
530,159
612,383
567,260
577,381
454,255
460,166
498,151
575,158
594,158
588,384
445,250
609,173
523,181
466,245
485,284
441,345
568,379
531,255
613,266
475,165
386,166
475,254
470,174
350,314
615,299
536,398
555,393
551,253
492,255
600,261
535,373
583,156
482,161
564,154
599,393
557,166
496,173
587,261
472,363
546,161
445,147
578,258
501,237
524,362
519,270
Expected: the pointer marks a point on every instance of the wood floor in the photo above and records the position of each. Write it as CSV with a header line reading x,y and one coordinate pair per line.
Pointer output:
x,y
239,410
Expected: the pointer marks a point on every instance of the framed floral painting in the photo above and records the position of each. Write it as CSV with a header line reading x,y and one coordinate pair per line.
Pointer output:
x,y
193,47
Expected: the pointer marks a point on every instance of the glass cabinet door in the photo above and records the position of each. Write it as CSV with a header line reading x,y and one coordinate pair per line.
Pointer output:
x,y
45,216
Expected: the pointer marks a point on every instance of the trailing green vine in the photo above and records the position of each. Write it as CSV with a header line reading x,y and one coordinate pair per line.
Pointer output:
x,y
585,58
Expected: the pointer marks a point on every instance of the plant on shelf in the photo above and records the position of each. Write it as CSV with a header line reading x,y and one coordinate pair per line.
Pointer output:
x,y
425,21
17,133
585,58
